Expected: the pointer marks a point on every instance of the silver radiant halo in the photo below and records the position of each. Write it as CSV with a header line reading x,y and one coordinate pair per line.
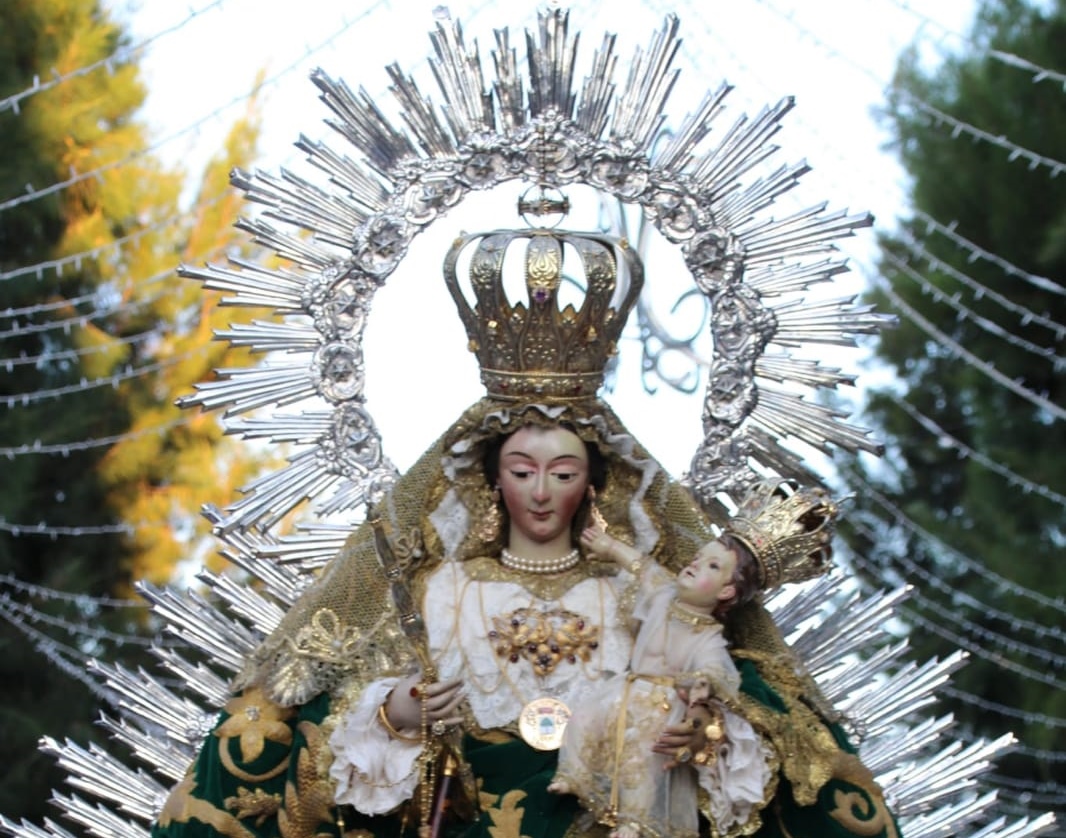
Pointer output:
x,y
699,184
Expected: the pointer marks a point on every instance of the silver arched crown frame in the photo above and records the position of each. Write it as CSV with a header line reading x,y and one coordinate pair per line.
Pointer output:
x,y
695,184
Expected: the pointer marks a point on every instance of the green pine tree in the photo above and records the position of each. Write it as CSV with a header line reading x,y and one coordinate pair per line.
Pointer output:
x,y
980,373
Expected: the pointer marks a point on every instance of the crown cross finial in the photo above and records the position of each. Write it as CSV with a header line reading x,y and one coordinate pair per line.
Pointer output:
x,y
543,203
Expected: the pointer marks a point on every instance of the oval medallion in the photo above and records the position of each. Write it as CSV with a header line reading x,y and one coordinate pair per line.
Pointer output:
x,y
542,723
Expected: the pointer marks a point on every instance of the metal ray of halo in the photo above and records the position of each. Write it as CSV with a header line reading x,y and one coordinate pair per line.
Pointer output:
x,y
545,127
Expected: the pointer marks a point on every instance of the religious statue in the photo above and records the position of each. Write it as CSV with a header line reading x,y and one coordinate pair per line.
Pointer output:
x,y
680,671
486,609
423,684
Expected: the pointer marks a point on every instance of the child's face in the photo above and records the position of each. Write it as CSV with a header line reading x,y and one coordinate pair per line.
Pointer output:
x,y
709,578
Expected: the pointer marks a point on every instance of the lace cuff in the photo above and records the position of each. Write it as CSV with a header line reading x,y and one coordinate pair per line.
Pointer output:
x,y
373,772
739,780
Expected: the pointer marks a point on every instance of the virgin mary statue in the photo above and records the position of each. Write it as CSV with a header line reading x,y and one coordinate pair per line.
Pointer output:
x,y
415,674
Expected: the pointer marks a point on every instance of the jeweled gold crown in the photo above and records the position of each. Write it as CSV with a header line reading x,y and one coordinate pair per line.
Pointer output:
x,y
789,530
535,348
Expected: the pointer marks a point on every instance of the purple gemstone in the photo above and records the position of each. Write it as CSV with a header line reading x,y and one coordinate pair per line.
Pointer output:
x,y
540,295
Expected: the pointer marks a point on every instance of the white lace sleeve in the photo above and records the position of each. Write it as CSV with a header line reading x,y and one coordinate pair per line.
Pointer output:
x,y
373,772
737,780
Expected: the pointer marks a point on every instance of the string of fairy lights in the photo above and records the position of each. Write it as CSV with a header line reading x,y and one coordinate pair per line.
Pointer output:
x,y
968,452
1025,315
973,251
23,605
122,54
903,269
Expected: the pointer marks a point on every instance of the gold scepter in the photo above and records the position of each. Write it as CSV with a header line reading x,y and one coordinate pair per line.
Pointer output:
x,y
450,743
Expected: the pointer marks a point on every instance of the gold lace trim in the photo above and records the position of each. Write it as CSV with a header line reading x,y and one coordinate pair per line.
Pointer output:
x,y
691,618
808,751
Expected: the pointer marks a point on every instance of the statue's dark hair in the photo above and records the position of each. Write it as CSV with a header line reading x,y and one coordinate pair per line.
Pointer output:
x,y
745,579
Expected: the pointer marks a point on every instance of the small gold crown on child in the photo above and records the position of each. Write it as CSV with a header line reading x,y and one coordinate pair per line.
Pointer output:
x,y
789,530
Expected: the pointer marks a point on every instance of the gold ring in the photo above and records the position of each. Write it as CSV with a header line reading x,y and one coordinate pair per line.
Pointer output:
x,y
683,754
439,728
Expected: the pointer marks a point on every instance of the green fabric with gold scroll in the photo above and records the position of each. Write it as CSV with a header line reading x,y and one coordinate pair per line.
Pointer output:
x,y
843,810
513,778
514,797
200,805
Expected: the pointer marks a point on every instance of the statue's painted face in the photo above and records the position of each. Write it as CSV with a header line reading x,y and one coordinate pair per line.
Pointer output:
x,y
544,474
709,578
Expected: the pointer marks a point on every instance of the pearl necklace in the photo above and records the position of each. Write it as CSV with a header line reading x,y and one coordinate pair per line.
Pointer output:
x,y
564,562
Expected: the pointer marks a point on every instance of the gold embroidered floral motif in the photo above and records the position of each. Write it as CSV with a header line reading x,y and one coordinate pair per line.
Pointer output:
x,y
309,800
544,638
182,806
507,816
257,804
253,720
328,639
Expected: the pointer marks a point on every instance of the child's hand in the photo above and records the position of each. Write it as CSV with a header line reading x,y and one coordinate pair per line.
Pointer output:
x,y
595,540
694,692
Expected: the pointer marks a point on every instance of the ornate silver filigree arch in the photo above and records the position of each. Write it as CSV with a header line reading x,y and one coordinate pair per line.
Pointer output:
x,y
695,184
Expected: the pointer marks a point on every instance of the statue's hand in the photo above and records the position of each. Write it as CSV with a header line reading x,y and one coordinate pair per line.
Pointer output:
x,y
682,741
442,698
595,540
